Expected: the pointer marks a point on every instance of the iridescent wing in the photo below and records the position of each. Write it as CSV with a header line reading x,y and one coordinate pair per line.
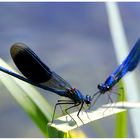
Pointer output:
x,y
35,70
129,64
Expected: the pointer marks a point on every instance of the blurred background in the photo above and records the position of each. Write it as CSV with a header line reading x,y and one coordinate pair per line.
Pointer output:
x,y
74,40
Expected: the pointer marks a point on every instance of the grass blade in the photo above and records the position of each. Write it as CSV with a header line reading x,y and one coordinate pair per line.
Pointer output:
x,y
121,118
29,99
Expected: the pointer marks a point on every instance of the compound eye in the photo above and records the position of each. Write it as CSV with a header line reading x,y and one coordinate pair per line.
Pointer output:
x,y
100,86
88,99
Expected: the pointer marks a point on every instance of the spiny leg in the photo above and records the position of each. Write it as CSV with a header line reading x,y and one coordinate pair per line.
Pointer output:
x,y
60,102
87,113
95,101
64,101
109,99
122,98
115,91
66,110
118,94
122,95
54,112
68,102
61,106
79,112
61,109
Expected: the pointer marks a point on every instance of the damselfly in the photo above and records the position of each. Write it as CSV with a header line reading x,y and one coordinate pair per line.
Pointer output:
x,y
40,75
128,65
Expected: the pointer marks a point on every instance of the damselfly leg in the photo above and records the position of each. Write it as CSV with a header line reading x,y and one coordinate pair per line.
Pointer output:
x,y
68,102
60,102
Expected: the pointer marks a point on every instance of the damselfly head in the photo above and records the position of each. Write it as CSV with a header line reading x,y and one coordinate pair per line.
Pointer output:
x,y
88,99
102,88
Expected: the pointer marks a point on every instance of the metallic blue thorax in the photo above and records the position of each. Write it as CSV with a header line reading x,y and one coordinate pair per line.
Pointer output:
x,y
77,96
